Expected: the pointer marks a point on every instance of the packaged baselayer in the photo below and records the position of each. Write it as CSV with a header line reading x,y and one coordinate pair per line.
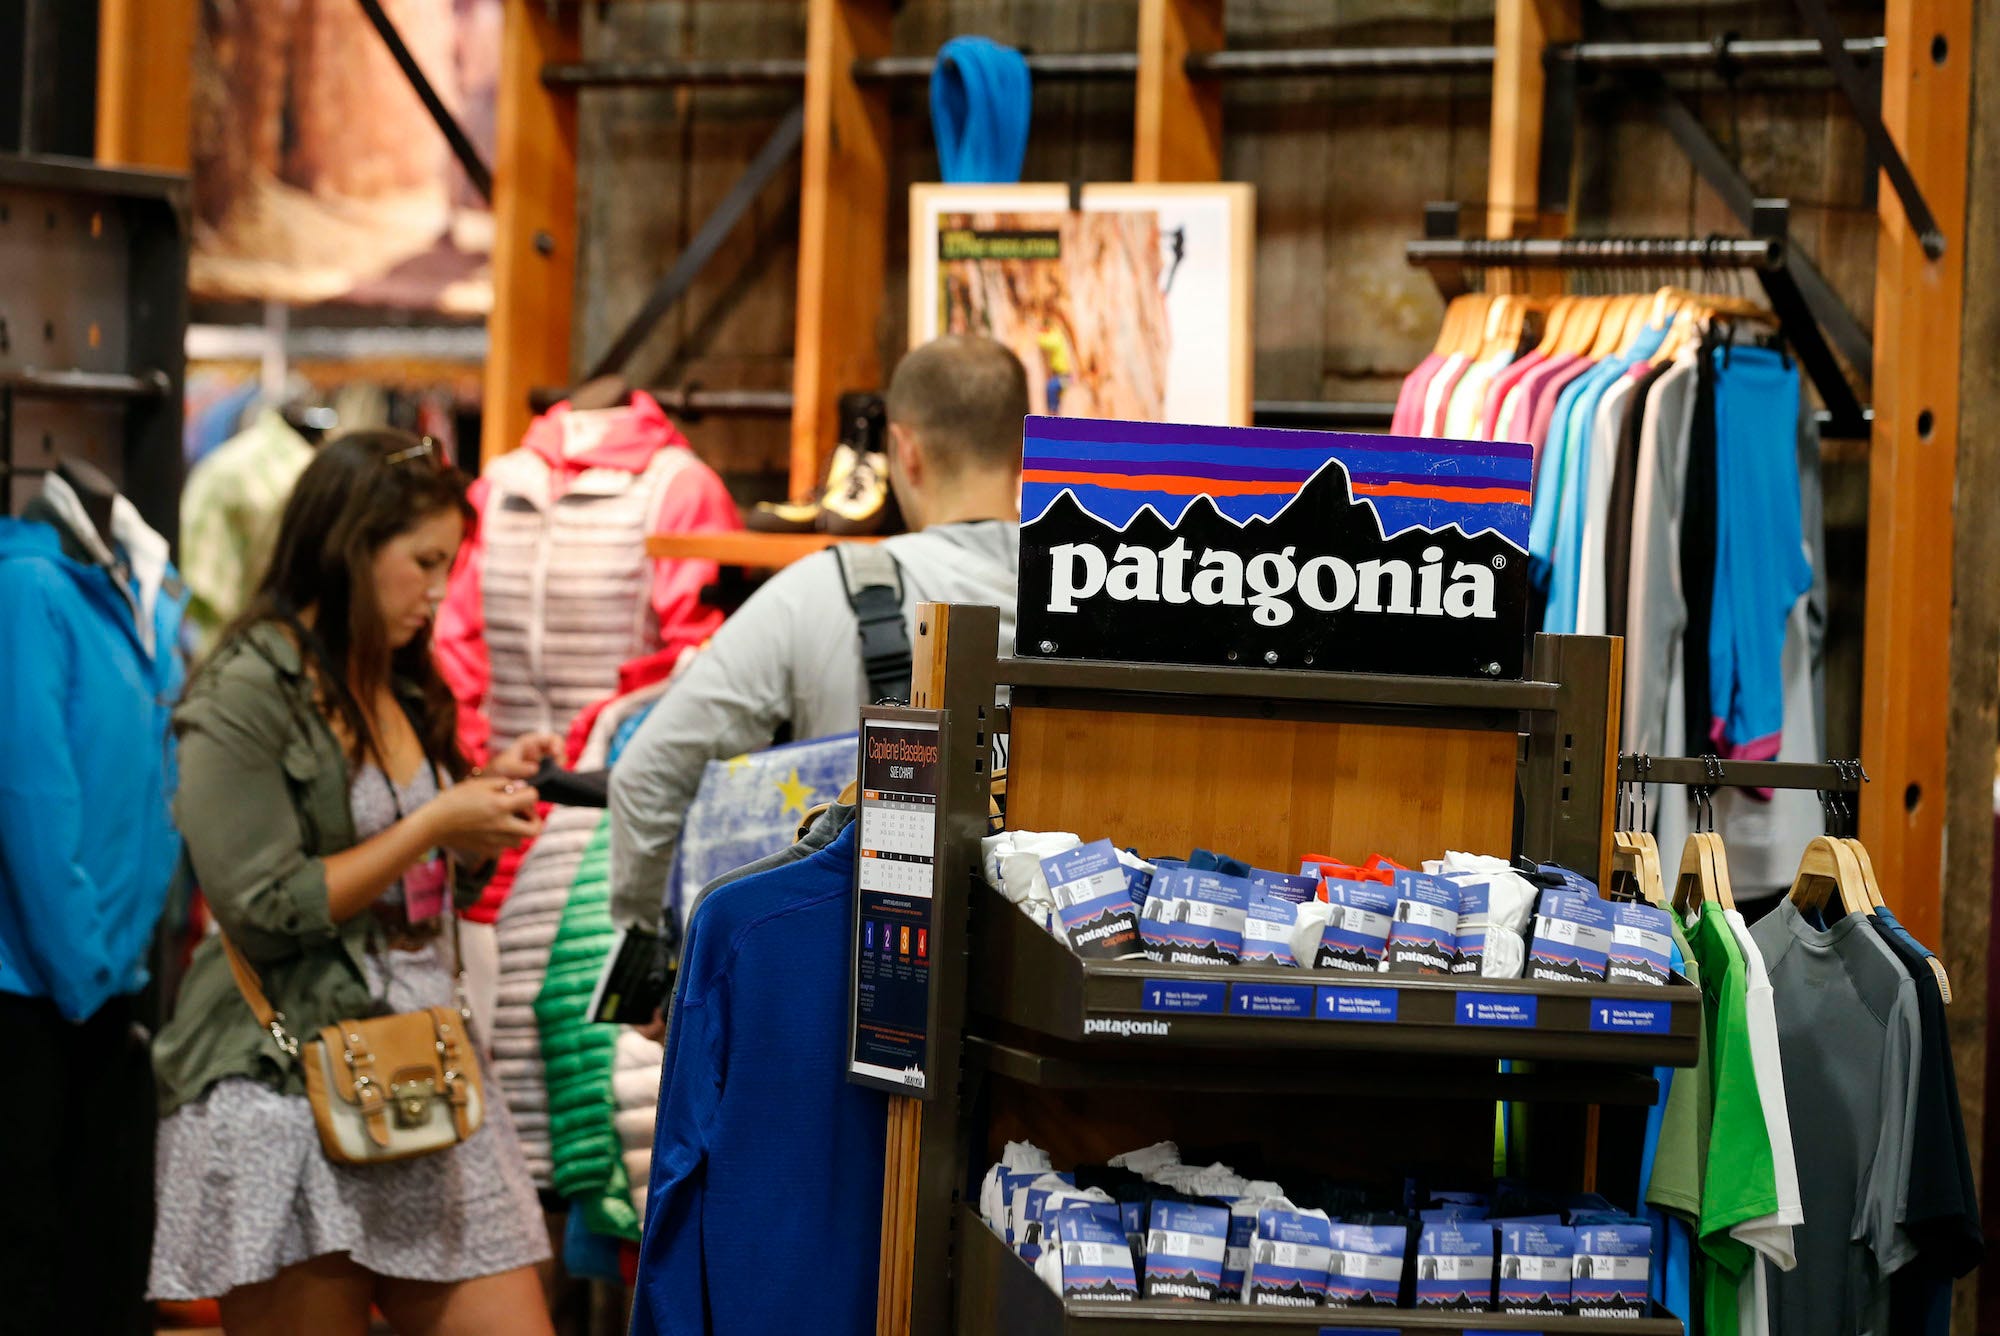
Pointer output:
x,y
1642,945
1356,936
1021,1160
1366,1269
1572,937
1257,1195
1423,939
1535,1265
1094,1262
1455,1265
1195,918
1093,902
1289,1257
1185,1244
1611,1271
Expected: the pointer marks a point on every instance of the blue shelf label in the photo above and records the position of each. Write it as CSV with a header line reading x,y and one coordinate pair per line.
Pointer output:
x,y
1289,1000
1631,1017
1357,1004
1507,1010
1197,995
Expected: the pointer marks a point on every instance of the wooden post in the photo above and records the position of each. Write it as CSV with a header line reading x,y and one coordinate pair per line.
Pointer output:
x,y
843,228
1523,31
145,61
1912,473
1177,132
534,216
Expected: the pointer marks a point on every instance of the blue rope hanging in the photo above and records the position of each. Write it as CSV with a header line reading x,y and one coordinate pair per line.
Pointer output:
x,y
980,104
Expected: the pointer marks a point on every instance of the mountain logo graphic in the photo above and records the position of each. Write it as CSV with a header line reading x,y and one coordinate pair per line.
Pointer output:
x,y
1316,585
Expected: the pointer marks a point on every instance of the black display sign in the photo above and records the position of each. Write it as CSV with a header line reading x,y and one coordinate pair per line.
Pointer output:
x,y
902,778
1163,543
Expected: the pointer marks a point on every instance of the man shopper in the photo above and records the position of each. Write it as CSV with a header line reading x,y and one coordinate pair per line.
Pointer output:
x,y
792,654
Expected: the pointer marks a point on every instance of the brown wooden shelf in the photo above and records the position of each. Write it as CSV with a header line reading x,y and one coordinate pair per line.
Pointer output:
x,y
740,547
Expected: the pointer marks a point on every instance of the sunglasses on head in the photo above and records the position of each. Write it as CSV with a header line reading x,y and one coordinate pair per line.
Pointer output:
x,y
424,449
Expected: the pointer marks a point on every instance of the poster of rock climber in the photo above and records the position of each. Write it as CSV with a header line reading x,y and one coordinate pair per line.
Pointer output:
x,y
1135,305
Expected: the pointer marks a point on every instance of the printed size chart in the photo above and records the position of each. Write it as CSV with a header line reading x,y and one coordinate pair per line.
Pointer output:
x,y
901,779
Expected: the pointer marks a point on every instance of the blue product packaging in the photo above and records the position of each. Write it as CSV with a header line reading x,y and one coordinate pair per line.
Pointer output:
x,y
1572,938
1297,889
1094,902
1642,945
1424,937
1096,1259
1455,1265
1138,880
1236,1260
1575,881
1162,909
1535,1262
1027,1212
1267,930
1366,1270
1611,1272
1185,1243
1288,1259
1356,936
1202,924
1014,1207
1469,947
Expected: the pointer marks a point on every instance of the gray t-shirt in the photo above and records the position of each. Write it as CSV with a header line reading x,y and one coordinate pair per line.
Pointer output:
x,y
1849,1036
792,652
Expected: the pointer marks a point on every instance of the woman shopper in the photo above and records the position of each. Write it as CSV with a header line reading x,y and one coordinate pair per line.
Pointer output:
x,y
326,811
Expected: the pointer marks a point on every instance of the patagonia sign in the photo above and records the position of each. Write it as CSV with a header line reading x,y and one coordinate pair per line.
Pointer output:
x,y
1243,546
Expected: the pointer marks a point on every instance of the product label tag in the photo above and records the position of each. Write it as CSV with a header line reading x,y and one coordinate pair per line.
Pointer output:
x,y
1288,1260
1367,1265
1424,937
1455,1266
1612,1271
1516,1010
1473,915
1193,995
1267,930
1286,1001
1535,1263
1094,902
1286,886
1623,1017
1096,1259
1357,1004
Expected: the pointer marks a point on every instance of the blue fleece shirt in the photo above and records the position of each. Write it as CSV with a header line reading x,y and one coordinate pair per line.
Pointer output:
x,y
87,844
764,1208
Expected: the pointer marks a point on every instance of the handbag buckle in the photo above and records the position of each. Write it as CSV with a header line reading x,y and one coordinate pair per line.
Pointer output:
x,y
411,1101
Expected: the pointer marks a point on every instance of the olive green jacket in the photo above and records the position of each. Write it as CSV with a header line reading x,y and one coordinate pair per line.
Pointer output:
x,y
262,802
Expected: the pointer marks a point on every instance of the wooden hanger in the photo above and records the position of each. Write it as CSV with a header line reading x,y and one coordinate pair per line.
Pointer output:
x,y
1828,868
1636,854
1718,859
1580,333
1697,884
1552,326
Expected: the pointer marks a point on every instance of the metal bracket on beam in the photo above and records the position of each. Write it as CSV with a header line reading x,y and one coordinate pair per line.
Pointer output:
x,y
462,146
1771,219
1868,110
777,151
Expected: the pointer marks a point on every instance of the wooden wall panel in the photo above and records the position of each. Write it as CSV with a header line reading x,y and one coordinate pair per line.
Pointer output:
x,y
145,109
1177,121
1357,789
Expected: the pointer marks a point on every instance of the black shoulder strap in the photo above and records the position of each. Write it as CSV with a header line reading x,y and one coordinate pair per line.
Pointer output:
x,y
874,584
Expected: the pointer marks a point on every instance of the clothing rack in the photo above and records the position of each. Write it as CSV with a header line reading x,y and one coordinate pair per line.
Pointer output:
x,y
1449,258
1721,772
1724,55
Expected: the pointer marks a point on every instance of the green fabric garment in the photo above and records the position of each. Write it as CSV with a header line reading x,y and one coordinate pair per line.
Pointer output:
x,y
1739,1182
262,802
1682,1155
229,518
578,1054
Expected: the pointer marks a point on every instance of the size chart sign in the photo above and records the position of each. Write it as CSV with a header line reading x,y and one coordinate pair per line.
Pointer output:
x,y
902,776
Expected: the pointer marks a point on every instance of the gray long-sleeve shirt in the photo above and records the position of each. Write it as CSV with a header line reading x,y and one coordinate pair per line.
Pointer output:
x,y
792,652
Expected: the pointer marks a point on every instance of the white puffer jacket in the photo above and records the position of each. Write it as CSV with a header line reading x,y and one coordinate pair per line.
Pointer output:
x,y
526,930
635,1080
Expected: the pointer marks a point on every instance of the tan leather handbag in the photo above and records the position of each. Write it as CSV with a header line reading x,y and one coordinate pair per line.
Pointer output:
x,y
385,1088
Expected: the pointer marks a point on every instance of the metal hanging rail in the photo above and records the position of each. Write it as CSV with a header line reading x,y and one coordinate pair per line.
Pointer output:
x,y
1084,66
1716,772
1599,253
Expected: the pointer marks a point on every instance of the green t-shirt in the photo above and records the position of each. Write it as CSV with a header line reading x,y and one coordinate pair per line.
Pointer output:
x,y
1739,1181
1681,1156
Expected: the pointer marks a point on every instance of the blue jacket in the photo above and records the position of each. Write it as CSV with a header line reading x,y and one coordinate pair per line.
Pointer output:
x,y
87,846
764,1208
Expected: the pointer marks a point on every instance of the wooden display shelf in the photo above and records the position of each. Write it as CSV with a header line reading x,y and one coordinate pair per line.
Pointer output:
x,y
740,547
1001,1293
1139,1010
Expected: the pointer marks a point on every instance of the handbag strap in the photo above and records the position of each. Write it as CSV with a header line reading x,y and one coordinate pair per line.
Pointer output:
x,y
247,984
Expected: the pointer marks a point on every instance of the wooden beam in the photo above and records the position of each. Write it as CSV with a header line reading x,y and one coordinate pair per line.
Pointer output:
x,y
1523,31
1906,675
145,65
1177,132
534,218
843,228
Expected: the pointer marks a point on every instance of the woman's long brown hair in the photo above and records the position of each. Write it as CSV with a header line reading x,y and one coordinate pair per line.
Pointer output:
x,y
361,490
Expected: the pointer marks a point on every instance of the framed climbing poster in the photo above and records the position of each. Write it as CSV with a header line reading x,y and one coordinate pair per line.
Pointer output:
x,y
1123,301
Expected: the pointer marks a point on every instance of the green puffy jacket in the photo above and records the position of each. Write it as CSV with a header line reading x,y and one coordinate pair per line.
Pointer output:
x,y
578,1054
